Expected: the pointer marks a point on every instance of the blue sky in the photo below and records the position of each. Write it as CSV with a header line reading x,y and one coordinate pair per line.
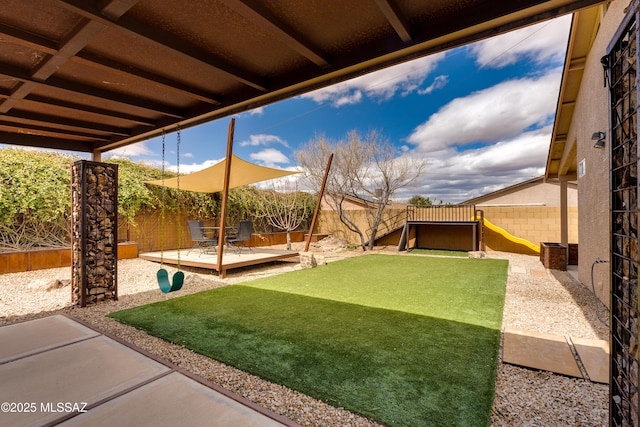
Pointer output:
x,y
481,115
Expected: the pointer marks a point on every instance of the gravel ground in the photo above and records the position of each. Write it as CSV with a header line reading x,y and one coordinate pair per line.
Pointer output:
x,y
548,301
537,299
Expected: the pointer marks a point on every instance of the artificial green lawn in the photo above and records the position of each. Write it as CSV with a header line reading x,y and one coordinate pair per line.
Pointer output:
x,y
442,252
405,340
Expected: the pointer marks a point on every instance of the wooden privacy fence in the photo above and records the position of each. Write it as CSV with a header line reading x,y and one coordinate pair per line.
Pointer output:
x,y
149,231
441,213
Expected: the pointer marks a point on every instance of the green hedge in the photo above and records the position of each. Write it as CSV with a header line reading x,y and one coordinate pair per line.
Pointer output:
x,y
35,198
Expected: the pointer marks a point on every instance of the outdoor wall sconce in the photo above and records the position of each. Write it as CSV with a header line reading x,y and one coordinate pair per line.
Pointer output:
x,y
599,138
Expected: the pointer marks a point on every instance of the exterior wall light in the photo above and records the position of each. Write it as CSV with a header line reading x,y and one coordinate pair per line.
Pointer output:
x,y
599,138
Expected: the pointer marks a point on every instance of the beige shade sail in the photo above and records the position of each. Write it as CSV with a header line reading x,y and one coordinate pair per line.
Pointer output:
x,y
211,179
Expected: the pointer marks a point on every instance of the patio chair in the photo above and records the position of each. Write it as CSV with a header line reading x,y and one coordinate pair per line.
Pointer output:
x,y
239,241
200,241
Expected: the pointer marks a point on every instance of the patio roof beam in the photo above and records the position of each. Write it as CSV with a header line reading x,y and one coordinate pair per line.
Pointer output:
x,y
166,40
51,129
80,36
128,70
47,46
392,13
26,39
76,40
36,99
269,23
26,81
44,142
90,109
62,123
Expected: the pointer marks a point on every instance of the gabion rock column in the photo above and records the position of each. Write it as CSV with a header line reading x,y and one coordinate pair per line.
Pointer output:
x,y
94,226
624,404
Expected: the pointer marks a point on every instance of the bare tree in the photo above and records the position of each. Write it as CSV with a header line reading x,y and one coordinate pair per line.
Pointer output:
x,y
365,168
285,208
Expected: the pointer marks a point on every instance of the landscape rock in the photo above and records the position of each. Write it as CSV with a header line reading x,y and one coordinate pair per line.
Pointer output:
x,y
476,254
307,260
47,284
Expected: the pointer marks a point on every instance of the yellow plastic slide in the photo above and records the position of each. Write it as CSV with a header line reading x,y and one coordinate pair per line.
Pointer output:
x,y
504,233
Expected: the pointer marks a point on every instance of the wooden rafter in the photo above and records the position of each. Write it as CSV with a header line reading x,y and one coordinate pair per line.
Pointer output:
x,y
166,40
391,11
84,31
43,45
75,88
269,23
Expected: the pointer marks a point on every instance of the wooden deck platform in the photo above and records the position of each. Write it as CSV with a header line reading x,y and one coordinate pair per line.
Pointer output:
x,y
230,259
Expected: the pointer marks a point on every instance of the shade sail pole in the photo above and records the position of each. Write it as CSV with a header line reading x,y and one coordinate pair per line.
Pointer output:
x,y
318,203
225,196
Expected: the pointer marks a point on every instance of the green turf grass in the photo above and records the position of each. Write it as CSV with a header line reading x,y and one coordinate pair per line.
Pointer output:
x,y
404,340
462,254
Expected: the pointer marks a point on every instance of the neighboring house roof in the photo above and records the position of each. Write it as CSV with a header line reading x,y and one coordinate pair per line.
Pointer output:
x,y
530,192
561,160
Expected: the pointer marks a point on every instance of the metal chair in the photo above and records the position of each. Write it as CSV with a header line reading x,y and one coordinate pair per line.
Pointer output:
x,y
245,230
200,241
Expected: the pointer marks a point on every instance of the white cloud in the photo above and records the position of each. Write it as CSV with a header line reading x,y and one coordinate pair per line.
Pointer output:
x,y
259,111
546,41
133,150
438,83
263,139
286,183
256,111
455,176
499,112
498,136
347,99
193,167
403,78
270,156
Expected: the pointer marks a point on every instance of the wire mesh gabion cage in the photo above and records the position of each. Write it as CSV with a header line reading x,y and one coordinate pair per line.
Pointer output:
x,y
621,65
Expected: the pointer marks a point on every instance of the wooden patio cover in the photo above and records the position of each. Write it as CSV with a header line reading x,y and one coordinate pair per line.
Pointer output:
x,y
95,75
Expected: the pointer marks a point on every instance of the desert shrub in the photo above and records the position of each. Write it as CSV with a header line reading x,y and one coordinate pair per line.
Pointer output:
x,y
35,198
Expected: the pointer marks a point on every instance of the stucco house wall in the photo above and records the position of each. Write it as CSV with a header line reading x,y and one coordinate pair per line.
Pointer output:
x,y
591,114
529,210
535,192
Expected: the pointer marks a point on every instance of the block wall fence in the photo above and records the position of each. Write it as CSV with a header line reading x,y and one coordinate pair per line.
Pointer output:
x,y
534,223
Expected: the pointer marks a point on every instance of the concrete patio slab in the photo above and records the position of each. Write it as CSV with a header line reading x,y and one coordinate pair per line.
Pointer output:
x,y
84,372
540,351
595,358
54,370
40,335
172,401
